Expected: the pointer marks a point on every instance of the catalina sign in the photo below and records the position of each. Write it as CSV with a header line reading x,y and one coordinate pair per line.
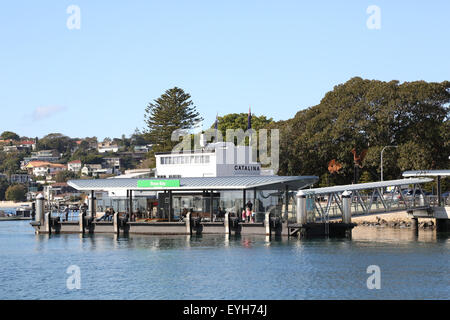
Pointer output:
x,y
247,169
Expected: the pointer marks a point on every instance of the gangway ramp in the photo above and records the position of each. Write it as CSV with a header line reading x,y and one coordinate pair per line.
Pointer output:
x,y
324,204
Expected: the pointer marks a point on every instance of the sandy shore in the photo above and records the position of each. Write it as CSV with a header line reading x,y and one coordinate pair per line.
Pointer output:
x,y
12,204
394,220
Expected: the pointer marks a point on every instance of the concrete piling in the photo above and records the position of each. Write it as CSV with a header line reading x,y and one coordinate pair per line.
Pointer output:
x,y
188,224
227,223
40,209
347,207
267,223
301,208
81,222
47,227
116,223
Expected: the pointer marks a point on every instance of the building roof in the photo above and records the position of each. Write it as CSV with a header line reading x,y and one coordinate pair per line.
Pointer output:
x,y
28,142
35,164
427,173
202,183
75,161
362,186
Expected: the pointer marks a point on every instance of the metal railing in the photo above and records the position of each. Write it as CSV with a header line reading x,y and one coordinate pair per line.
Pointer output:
x,y
325,207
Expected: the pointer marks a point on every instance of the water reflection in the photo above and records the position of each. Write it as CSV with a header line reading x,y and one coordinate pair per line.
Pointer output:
x,y
223,266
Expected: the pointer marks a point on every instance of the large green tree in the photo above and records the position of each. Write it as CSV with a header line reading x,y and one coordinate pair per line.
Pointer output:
x,y
16,193
368,115
65,175
240,121
56,141
10,135
171,111
3,187
10,162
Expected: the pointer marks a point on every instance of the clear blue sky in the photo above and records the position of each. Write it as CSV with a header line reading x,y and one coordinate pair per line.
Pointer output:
x,y
277,56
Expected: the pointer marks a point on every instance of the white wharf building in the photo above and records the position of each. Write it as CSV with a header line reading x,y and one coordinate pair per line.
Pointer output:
x,y
221,159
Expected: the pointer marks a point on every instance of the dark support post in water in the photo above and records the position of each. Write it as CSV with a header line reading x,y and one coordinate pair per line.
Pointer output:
x,y
211,204
442,225
128,203
131,205
286,200
244,200
170,205
33,210
92,207
439,191
415,224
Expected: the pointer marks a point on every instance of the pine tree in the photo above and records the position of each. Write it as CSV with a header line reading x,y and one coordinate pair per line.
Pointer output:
x,y
171,111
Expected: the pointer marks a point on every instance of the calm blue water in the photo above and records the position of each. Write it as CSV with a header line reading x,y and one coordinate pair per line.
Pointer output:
x,y
212,267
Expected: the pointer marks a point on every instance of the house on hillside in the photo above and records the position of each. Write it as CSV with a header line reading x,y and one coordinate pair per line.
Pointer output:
x,y
112,163
44,168
74,166
107,147
42,155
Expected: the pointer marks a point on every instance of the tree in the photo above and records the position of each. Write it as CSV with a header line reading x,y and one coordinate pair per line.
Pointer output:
x,y
65,175
3,187
365,177
6,135
138,138
240,121
370,114
16,193
56,141
171,111
10,162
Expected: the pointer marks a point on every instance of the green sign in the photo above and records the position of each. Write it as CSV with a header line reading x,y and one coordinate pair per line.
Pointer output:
x,y
158,183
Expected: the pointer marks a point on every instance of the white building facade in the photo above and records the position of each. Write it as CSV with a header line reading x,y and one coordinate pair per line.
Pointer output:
x,y
222,159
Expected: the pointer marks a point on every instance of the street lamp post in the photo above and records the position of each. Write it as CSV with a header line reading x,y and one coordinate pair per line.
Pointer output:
x,y
382,159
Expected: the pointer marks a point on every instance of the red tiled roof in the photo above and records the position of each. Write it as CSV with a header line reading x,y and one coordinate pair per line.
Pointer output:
x,y
28,142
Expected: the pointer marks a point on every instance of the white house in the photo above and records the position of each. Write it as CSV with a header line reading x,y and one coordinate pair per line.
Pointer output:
x,y
74,166
107,147
43,168
89,169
